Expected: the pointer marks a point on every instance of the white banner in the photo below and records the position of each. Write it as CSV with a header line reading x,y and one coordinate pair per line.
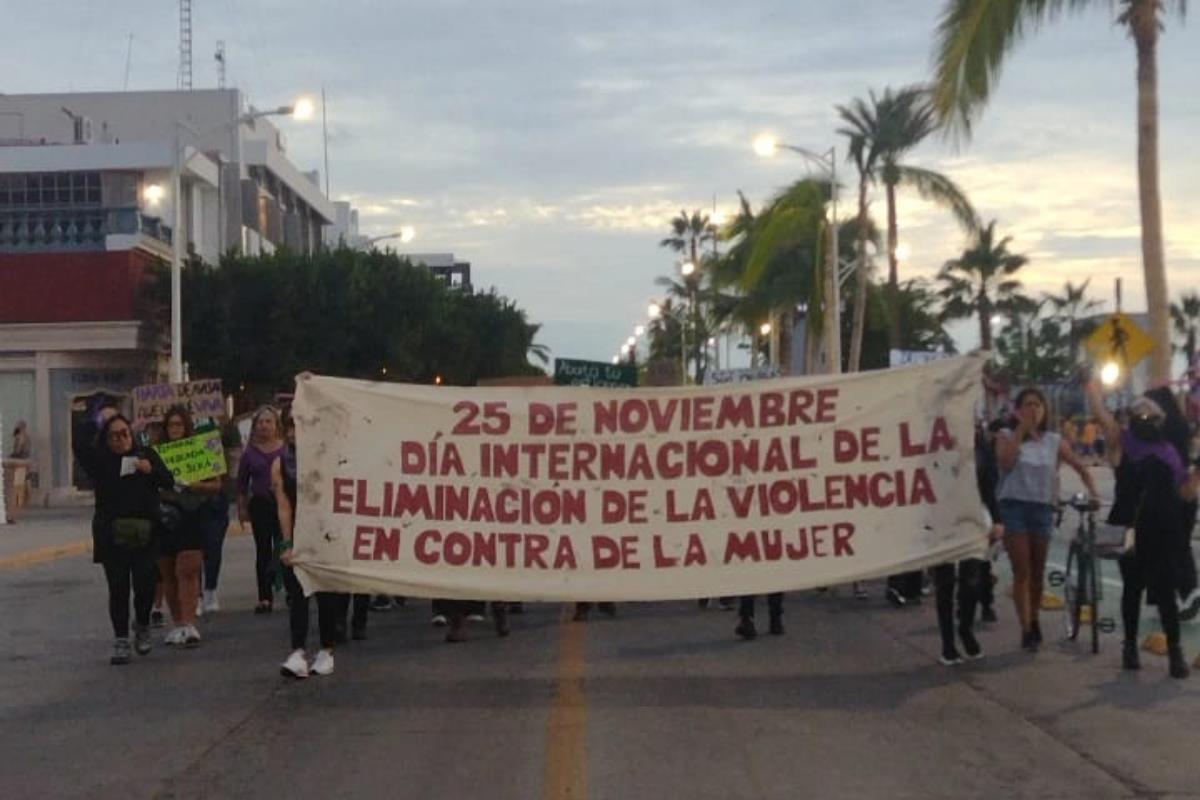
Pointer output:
x,y
576,493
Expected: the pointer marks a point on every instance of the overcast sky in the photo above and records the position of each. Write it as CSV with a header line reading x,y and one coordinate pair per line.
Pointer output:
x,y
549,142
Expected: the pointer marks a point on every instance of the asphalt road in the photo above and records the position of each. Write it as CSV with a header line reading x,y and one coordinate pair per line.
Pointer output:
x,y
662,702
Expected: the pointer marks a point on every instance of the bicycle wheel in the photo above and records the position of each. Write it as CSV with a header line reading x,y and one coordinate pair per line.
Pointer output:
x,y
1070,591
1094,585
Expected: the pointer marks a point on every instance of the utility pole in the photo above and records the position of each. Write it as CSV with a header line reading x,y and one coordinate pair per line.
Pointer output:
x,y
220,59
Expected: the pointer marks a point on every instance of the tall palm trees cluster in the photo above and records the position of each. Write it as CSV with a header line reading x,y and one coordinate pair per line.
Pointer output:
x,y
773,263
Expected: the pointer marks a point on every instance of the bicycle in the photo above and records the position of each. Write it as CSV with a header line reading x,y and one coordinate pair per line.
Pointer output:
x,y
1081,580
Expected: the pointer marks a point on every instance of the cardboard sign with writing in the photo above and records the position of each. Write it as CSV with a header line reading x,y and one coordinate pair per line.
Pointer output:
x,y
200,398
195,458
569,493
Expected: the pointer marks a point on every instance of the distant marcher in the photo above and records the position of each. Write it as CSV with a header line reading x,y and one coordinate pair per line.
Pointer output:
x,y
127,482
745,627
21,445
256,501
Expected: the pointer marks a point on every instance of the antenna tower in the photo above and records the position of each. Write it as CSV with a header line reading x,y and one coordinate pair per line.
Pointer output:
x,y
184,80
220,58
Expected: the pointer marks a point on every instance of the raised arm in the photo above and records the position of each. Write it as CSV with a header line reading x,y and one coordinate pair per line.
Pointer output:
x,y
1108,424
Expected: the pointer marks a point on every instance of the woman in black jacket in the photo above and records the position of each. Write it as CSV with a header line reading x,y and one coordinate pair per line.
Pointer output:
x,y
127,480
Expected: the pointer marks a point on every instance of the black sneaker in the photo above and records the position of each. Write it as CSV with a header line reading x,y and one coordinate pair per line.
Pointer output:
x,y
1178,667
746,629
157,620
1189,606
122,654
895,598
776,627
726,603
381,602
1129,655
970,644
1036,631
988,615
1029,642
702,603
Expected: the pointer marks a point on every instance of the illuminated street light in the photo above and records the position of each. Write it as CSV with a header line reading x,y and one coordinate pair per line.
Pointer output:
x,y
654,310
1110,373
765,329
631,341
903,251
766,145
303,109
687,268
639,330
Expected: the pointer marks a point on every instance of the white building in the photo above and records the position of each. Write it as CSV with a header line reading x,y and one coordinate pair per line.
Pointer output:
x,y
87,204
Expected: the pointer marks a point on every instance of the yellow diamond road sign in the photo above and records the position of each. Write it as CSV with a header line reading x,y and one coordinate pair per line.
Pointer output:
x,y
1119,339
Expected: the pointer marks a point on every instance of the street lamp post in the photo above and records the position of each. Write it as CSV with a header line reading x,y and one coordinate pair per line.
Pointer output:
x,y
406,234
827,162
302,109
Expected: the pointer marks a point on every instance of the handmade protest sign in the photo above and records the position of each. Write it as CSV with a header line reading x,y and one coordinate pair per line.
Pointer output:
x,y
606,494
194,458
200,398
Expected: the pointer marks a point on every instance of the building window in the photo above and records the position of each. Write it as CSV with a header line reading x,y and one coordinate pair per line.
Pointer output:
x,y
54,189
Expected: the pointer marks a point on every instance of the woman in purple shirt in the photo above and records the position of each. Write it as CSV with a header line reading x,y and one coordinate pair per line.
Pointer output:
x,y
255,499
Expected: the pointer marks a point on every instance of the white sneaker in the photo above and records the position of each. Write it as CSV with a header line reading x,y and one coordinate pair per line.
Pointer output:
x,y
439,620
296,665
176,635
474,617
210,601
323,663
199,607
191,636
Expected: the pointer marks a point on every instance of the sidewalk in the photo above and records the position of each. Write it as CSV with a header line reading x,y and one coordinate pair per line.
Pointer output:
x,y
40,528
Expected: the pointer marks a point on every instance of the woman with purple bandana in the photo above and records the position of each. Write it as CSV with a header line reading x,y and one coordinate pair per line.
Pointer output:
x,y
1152,486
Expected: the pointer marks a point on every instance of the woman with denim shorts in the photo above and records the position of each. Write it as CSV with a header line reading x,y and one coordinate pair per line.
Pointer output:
x,y
1029,457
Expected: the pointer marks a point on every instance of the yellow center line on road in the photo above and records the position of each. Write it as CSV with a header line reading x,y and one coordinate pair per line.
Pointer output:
x,y
40,555
28,558
566,728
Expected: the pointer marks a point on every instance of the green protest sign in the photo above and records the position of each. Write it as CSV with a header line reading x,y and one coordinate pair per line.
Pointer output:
x,y
195,458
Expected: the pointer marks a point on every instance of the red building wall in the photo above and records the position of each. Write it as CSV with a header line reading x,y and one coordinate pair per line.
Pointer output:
x,y
71,287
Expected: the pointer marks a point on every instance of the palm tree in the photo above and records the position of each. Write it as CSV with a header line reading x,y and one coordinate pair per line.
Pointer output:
x,y
1186,316
781,259
689,234
888,128
1071,305
863,151
973,38
975,282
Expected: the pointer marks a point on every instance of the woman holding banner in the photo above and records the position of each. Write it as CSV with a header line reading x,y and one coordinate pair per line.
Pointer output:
x,y
1029,457
256,501
182,548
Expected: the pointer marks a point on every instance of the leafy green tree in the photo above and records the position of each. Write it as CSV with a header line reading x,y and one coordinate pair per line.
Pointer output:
x,y
1070,307
256,322
973,283
1186,316
917,309
973,38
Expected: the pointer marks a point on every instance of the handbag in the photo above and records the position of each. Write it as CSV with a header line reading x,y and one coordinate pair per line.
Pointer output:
x,y
132,533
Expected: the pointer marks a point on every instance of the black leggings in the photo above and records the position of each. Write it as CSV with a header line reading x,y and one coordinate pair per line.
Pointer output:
x,y
125,569
970,575
774,604
328,606
264,519
1134,584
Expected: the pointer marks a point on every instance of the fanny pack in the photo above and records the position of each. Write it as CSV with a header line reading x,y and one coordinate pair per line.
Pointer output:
x,y
132,533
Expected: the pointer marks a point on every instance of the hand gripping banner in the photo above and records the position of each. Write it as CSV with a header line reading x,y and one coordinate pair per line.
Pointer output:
x,y
578,493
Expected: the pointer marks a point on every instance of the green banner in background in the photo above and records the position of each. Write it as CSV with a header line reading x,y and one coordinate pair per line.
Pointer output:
x,y
574,372
195,458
